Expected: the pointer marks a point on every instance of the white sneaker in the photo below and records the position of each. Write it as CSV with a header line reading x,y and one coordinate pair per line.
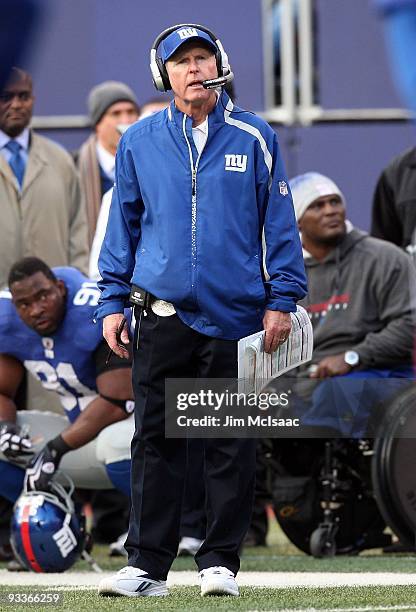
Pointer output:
x,y
218,580
132,582
189,546
116,549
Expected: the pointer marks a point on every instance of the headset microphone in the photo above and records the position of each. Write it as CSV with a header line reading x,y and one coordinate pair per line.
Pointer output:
x,y
218,82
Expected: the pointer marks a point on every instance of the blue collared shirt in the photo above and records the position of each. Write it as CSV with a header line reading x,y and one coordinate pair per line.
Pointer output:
x,y
22,139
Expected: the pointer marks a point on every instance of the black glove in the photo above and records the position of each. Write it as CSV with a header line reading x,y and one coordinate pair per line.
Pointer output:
x,y
42,468
13,444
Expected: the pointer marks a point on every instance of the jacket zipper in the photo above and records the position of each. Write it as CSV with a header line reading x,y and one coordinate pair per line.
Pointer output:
x,y
194,170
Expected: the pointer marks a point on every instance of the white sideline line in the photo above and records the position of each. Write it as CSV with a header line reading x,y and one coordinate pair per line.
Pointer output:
x,y
278,580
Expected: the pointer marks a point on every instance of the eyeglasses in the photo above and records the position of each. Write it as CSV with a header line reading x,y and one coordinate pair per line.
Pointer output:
x,y
22,96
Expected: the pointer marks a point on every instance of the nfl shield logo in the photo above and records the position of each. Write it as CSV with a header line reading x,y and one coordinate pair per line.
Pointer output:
x,y
283,188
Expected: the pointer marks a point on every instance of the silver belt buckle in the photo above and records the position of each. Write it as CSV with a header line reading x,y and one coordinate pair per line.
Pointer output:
x,y
162,308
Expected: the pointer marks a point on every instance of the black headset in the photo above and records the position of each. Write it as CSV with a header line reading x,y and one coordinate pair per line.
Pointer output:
x,y
158,68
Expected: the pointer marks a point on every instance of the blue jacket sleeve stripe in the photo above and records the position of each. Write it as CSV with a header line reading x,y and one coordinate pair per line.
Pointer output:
x,y
285,283
285,279
268,160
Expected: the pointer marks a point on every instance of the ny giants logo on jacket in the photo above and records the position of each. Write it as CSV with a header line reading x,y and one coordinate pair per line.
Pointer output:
x,y
235,163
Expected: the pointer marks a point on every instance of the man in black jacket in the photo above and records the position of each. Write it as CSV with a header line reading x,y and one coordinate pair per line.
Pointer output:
x,y
394,202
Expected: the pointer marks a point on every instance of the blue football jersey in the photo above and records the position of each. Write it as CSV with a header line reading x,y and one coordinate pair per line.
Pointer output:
x,y
63,362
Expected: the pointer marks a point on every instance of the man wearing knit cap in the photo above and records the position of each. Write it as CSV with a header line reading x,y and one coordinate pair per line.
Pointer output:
x,y
359,302
112,107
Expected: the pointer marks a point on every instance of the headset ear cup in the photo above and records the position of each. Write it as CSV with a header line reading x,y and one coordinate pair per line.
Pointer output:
x,y
159,74
222,60
163,74
220,67
154,69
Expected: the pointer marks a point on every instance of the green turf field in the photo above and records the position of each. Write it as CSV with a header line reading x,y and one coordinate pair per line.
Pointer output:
x,y
278,556
264,599
269,559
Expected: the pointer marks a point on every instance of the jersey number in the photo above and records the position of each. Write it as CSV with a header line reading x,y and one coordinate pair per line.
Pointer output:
x,y
88,294
64,381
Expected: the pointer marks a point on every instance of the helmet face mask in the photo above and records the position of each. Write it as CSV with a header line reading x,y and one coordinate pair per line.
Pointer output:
x,y
47,535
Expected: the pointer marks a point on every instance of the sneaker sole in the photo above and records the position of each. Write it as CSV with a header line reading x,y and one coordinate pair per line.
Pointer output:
x,y
218,590
112,591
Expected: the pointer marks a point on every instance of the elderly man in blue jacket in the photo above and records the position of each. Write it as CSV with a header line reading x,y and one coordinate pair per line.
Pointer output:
x,y
202,236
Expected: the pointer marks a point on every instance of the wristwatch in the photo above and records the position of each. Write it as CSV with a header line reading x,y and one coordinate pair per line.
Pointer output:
x,y
352,358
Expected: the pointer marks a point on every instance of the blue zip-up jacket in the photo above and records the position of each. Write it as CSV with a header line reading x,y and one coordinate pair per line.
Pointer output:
x,y
214,234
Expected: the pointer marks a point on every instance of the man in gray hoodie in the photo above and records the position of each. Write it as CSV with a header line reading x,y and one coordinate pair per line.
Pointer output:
x,y
361,307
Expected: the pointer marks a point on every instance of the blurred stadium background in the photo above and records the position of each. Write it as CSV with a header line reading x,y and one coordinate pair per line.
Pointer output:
x,y
317,69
